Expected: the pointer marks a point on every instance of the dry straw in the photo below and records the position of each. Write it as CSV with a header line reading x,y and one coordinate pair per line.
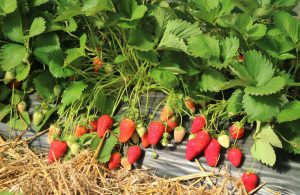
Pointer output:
x,y
22,170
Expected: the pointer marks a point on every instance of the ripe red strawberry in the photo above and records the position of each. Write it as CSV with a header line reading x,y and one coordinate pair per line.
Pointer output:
x,y
212,152
236,131
250,180
235,155
114,161
145,141
97,62
190,105
171,124
127,127
198,124
104,123
134,153
53,131
196,145
156,130
166,113
80,130
203,138
57,150
192,149
179,133
93,124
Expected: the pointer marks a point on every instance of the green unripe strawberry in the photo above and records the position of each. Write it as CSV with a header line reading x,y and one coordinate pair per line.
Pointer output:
x,y
37,118
141,130
75,148
108,68
9,76
57,90
224,140
22,106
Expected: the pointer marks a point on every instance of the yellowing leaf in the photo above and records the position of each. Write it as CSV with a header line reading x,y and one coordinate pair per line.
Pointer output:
x,y
264,152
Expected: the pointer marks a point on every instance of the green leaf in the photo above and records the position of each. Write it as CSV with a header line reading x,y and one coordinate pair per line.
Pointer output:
x,y
39,2
165,78
256,69
290,131
285,3
16,98
229,48
238,22
73,92
203,46
91,7
68,8
148,56
140,39
75,53
11,55
4,92
264,152
86,139
12,27
207,16
276,43
162,16
7,6
206,5
235,102
120,59
175,33
48,52
132,11
288,25
138,12
289,112
273,86
20,124
103,102
22,71
256,32
71,55
71,26
4,111
108,146
212,81
82,42
262,108
267,134
44,84
37,27
247,6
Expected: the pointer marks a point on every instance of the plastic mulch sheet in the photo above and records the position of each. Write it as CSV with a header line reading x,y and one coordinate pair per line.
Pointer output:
x,y
284,177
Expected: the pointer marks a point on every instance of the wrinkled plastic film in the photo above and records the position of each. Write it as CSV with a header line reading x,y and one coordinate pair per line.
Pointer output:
x,y
283,178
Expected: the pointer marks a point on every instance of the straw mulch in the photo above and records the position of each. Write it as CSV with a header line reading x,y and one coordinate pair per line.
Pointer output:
x,y
21,170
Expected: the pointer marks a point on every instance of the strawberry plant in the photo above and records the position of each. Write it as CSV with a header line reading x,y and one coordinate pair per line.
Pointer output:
x,y
92,63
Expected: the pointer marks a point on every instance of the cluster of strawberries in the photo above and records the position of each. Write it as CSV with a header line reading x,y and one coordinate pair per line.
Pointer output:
x,y
159,131
202,141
